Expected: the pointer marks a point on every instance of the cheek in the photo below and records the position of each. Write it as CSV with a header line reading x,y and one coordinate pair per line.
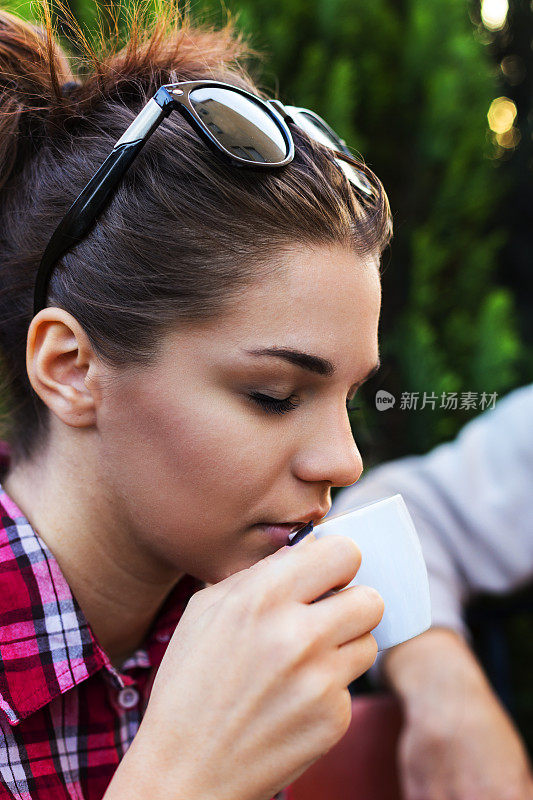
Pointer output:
x,y
204,457
201,441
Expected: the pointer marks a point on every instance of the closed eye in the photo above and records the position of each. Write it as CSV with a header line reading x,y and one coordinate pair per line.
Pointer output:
x,y
273,405
276,405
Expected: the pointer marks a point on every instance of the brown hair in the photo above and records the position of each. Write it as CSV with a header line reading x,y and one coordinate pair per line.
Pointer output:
x,y
183,233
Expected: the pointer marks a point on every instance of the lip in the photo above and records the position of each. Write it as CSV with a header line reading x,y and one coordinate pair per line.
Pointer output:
x,y
313,516
278,532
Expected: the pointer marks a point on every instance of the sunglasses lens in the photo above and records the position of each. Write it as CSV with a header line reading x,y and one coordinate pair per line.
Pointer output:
x,y
240,125
312,126
323,134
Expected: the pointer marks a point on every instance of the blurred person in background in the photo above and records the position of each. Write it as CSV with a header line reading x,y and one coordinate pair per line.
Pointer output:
x,y
471,503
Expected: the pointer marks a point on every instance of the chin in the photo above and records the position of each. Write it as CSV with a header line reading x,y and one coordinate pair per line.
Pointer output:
x,y
238,565
247,553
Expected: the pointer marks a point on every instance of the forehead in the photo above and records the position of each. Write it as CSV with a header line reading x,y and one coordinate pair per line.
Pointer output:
x,y
327,295
320,300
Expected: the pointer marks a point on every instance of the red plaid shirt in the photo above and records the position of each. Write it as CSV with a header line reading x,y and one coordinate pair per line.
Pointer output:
x,y
66,715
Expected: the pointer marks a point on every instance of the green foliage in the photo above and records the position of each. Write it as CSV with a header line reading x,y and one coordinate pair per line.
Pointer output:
x,y
496,345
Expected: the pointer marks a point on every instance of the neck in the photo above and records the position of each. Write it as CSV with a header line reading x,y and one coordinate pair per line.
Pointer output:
x,y
118,584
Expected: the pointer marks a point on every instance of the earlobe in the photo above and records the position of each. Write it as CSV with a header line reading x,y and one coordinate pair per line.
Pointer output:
x,y
58,358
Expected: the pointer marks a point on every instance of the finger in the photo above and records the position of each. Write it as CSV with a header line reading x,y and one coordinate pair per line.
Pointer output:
x,y
355,657
215,592
348,614
311,568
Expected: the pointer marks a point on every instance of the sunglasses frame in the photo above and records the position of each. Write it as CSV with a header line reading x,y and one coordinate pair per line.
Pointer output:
x,y
287,111
360,181
93,198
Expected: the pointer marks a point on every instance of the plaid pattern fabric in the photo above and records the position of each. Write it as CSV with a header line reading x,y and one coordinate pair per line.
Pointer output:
x,y
67,716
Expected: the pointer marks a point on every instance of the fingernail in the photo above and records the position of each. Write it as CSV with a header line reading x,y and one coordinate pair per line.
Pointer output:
x,y
301,534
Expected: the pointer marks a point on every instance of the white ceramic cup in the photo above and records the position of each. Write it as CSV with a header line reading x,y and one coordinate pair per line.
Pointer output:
x,y
392,562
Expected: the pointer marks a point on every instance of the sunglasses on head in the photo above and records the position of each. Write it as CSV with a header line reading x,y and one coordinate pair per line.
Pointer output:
x,y
239,126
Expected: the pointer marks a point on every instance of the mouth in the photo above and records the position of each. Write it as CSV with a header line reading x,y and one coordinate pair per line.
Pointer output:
x,y
279,533
289,533
285,527
313,517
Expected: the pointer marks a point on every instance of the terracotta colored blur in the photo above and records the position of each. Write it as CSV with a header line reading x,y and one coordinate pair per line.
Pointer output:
x,y
362,766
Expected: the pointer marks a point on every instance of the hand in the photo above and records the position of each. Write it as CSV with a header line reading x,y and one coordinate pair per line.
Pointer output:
x,y
253,686
458,743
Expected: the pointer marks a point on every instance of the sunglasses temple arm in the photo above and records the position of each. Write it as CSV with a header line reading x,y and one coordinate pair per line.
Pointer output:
x,y
84,211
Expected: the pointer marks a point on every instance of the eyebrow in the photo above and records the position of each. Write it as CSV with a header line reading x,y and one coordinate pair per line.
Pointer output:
x,y
312,363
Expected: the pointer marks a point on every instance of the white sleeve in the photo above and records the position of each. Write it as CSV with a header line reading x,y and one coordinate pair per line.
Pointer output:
x,y
472,504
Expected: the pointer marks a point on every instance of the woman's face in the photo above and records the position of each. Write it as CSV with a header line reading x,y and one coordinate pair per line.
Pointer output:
x,y
194,456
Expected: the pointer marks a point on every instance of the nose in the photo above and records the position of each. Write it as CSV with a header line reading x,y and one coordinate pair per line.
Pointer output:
x,y
329,453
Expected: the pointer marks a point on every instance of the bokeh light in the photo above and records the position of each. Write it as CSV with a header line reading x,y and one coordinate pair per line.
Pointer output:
x,y
513,69
501,115
509,139
494,13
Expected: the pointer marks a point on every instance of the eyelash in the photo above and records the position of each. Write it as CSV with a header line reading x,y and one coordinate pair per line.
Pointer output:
x,y
272,405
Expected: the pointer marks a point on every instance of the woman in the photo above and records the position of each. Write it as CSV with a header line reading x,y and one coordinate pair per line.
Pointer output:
x,y
178,364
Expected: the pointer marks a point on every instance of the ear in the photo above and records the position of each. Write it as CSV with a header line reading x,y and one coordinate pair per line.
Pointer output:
x,y
60,362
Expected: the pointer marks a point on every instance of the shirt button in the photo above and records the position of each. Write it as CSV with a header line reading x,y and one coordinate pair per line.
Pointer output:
x,y
128,697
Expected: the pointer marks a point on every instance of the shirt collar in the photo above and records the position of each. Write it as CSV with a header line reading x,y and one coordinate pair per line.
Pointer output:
x,y
46,644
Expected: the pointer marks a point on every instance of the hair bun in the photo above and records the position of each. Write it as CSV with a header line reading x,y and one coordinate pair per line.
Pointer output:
x,y
32,70
37,83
